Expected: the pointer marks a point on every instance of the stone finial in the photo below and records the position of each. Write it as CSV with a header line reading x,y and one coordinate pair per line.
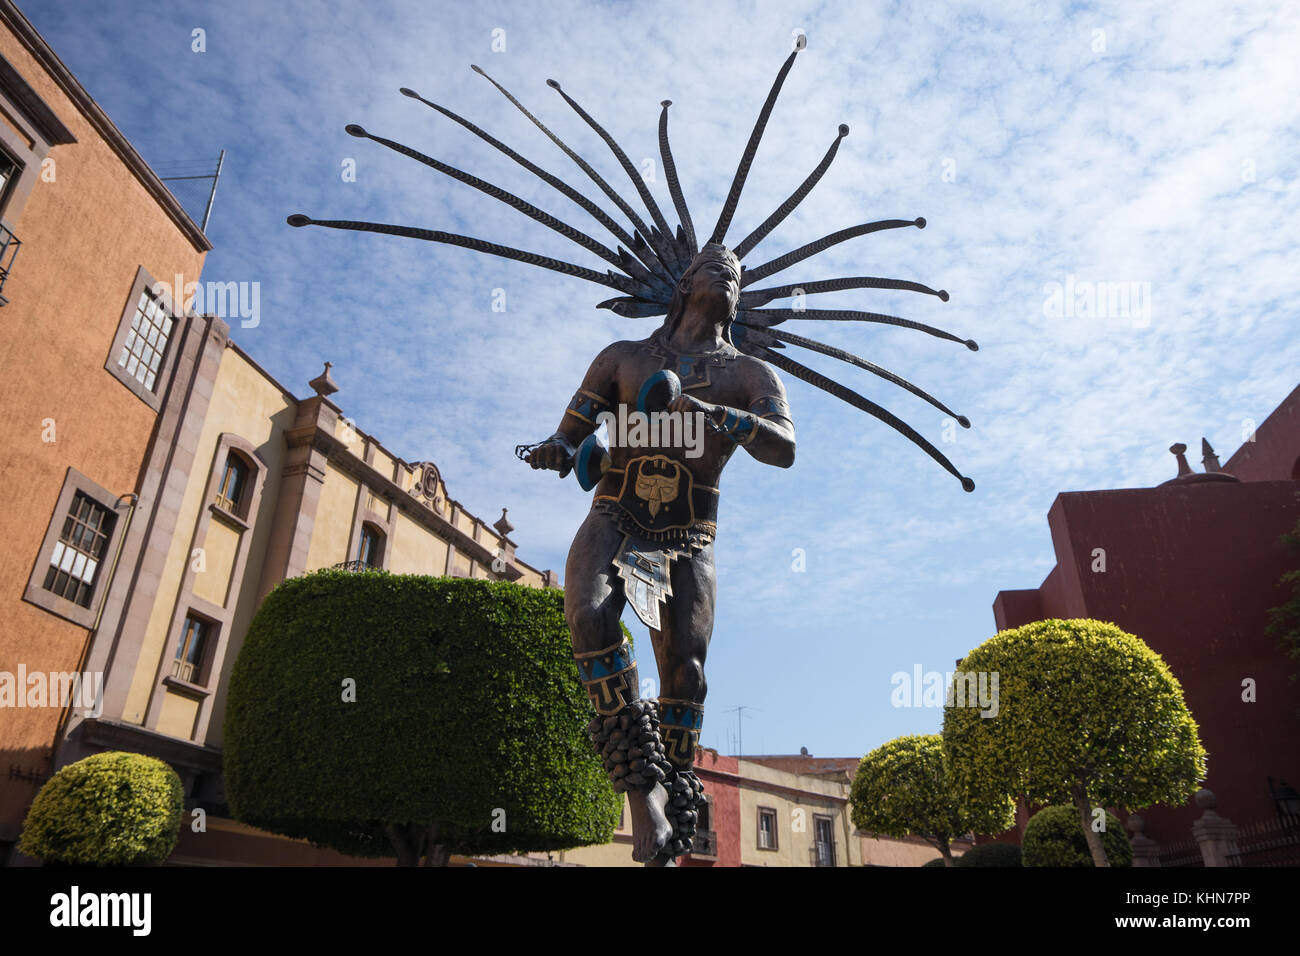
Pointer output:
x,y
503,525
1135,824
323,384
1206,800
1179,451
1208,458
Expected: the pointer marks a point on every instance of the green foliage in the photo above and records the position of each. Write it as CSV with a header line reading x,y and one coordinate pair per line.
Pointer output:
x,y
110,809
900,789
1081,703
991,854
937,861
467,701
1054,837
1284,620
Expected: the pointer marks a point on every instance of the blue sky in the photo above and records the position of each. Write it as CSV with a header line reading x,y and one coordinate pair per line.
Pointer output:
x,y
1153,145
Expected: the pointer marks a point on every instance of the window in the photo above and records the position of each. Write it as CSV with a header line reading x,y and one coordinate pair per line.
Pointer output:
x,y
234,482
189,650
705,817
371,552
142,353
79,551
825,833
766,829
9,171
149,338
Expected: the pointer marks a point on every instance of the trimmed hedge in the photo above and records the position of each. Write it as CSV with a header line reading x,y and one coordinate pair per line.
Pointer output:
x,y
937,861
990,854
109,809
1054,837
467,703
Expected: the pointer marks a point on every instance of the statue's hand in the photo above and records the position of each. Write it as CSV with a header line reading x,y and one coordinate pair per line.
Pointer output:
x,y
688,404
553,455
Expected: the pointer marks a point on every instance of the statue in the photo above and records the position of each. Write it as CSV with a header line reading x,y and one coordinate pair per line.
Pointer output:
x,y
648,539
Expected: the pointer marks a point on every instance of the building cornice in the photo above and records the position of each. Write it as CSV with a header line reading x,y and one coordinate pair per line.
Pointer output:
x,y
49,60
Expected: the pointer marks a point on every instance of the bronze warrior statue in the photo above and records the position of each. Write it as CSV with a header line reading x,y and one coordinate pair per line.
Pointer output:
x,y
648,539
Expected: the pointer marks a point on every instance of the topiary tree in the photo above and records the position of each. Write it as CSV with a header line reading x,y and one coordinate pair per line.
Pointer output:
x,y
991,854
110,809
1086,714
1053,838
937,861
383,714
901,789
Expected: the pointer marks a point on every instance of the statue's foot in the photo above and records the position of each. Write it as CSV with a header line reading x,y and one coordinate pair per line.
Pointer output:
x,y
651,830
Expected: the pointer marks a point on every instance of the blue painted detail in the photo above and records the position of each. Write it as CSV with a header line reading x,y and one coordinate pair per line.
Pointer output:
x,y
623,660
664,379
679,715
591,461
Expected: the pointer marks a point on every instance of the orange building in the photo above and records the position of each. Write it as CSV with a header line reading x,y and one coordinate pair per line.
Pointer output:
x,y
85,227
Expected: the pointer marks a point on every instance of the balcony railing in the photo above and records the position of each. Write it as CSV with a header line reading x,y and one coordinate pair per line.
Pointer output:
x,y
9,244
355,566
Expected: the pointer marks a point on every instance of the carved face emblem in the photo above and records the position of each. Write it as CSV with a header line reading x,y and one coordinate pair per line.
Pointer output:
x,y
657,488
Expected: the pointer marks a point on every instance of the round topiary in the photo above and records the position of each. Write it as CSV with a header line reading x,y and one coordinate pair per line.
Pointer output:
x,y
1054,837
990,854
937,861
110,809
387,714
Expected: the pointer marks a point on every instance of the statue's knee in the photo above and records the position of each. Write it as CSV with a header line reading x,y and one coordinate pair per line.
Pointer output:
x,y
591,625
690,681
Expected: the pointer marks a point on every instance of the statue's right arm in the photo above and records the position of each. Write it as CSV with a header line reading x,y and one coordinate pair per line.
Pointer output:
x,y
595,395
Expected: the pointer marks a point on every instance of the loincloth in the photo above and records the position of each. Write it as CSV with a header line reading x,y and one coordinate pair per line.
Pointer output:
x,y
645,565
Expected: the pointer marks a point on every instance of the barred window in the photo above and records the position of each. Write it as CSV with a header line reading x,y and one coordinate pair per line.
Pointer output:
x,y
146,343
79,551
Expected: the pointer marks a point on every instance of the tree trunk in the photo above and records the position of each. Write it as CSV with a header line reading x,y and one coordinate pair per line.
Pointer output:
x,y
946,851
1085,820
406,853
435,853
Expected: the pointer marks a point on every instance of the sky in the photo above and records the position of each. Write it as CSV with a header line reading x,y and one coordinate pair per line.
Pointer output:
x,y
1145,151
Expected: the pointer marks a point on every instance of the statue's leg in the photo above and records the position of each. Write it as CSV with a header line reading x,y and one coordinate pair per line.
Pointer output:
x,y
625,731
680,649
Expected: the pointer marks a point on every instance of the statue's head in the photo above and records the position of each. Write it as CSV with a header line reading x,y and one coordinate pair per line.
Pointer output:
x,y
712,279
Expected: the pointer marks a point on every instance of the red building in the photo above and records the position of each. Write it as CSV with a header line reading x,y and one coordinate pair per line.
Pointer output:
x,y
1192,567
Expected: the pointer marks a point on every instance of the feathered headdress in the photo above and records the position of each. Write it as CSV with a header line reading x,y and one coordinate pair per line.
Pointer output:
x,y
651,259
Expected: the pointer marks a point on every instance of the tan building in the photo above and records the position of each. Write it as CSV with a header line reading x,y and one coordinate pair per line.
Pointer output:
x,y
794,819
85,227
261,487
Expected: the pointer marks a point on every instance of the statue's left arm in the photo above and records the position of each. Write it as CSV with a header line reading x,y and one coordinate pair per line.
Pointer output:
x,y
763,427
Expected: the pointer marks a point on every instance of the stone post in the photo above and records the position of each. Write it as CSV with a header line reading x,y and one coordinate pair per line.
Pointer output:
x,y
1216,836
1146,851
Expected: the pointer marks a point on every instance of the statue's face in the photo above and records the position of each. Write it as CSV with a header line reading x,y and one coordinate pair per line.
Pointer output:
x,y
717,282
